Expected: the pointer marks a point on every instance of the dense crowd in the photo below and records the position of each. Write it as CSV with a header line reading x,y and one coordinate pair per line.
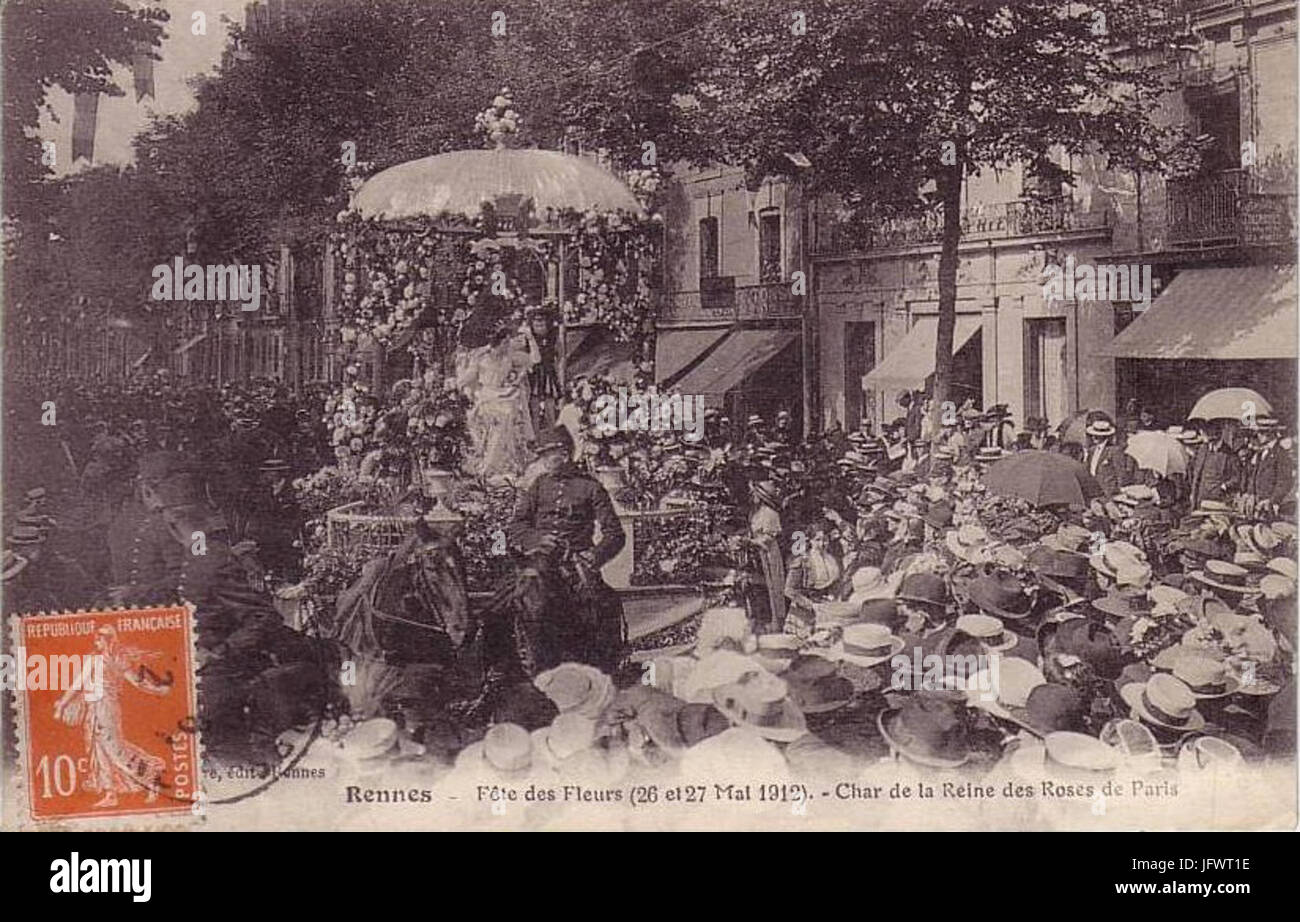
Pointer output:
x,y
1090,596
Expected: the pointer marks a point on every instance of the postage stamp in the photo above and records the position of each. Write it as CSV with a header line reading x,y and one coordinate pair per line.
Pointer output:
x,y
107,714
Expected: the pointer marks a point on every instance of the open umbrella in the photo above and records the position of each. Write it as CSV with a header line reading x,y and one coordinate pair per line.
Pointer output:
x,y
1230,403
1044,478
1157,451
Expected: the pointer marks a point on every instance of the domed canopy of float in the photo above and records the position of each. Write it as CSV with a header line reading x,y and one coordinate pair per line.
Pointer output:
x,y
460,182
523,184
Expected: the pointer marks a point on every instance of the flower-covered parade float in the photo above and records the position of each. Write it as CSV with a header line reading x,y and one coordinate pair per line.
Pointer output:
x,y
478,297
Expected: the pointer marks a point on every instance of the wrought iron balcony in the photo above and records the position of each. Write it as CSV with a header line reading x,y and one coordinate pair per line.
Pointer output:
x,y
834,235
716,301
1223,210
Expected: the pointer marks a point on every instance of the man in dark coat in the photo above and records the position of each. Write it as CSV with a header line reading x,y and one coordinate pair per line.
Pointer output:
x,y
1105,460
1270,473
1215,471
561,607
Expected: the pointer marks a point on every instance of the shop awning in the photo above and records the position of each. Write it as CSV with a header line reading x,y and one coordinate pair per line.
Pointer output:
x,y
735,359
190,343
1242,312
910,362
675,349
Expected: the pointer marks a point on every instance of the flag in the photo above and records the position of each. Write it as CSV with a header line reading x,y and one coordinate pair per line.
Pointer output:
x,y
85,111
142,71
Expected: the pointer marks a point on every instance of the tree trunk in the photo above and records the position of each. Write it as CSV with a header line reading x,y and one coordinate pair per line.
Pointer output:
x,y
950,192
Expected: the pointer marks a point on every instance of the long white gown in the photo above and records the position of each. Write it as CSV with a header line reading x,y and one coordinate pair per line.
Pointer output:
x,y
500,426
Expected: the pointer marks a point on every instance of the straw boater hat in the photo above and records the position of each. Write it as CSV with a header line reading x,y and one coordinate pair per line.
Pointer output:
x,y
989,453
576,687
506,750
1100,425
1164,701
867,645
761,702
988,630
1225,577
1204,675
1123,563
928,729
1080,752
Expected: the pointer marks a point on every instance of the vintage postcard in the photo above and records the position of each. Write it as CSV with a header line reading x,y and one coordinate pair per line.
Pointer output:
x,y
675,415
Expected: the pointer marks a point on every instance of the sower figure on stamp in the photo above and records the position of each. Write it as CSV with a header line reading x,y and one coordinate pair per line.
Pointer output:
x,y
556,605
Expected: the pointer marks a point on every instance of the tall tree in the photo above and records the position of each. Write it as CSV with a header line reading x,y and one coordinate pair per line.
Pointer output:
x,y
71,44
896,102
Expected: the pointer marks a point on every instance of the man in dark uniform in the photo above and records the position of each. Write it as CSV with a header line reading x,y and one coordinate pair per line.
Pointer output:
x,y
562,609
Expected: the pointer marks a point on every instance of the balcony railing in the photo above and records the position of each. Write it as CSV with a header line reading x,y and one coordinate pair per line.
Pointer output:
x,y
833,234
1222,210
719,302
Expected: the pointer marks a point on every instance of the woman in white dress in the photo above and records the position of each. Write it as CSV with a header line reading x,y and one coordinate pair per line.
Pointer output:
x,y
495,378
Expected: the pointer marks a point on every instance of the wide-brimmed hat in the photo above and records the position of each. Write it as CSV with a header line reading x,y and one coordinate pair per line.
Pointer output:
x,y
675,726
1056,564
1070,538
1122,605
924,588
13,564
999,594
274,466
1080,752
1209,507
1101,428
712,671
1015,679
1123,563
1207,754
820,695
988,630
1284,566
989,453
1135,494
568,735
576,687
1225,576
967,542
1205,675
867,644
1086,640
928,730
761,702
885,612
506,749
869,583
1164,701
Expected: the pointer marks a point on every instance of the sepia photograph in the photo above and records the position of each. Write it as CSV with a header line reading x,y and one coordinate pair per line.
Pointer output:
x,y
649,415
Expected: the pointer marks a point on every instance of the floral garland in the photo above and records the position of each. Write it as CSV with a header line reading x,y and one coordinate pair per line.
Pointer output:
x,y
616,257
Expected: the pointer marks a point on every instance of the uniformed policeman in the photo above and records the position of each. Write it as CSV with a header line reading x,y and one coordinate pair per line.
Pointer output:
x,y
563,609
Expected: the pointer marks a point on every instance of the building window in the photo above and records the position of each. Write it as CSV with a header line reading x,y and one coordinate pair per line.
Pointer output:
x,y
708,248
769,246
1216,119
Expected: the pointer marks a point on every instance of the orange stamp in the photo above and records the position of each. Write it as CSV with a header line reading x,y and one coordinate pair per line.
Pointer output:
x,y
107,713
